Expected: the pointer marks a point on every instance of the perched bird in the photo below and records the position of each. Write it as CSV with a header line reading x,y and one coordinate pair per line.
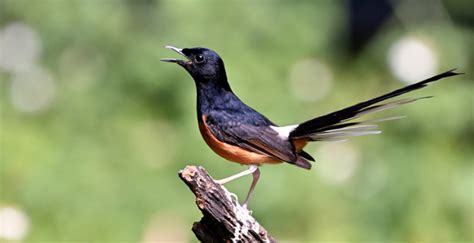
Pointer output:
x,y
240,134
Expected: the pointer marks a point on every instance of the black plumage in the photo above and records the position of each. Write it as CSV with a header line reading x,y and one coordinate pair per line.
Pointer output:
x,y
238,133
233,122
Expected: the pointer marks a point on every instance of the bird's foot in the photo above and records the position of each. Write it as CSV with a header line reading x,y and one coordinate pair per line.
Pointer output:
x,y
245,206
234,196
235,200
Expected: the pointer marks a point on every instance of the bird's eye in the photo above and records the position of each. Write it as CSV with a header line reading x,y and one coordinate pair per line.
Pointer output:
x,y
199,58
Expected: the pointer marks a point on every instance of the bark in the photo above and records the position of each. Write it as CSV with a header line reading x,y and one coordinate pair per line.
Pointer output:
x,y
224,219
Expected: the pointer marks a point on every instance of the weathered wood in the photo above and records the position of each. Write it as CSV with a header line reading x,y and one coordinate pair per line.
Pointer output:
x,y
224,219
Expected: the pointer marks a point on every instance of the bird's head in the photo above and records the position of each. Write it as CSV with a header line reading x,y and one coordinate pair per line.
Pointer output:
x,y
203,64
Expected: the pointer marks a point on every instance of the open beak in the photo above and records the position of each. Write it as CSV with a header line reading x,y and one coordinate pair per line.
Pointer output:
x,y
178,61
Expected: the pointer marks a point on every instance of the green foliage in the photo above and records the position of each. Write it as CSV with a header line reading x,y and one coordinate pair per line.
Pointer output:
x,y
100,163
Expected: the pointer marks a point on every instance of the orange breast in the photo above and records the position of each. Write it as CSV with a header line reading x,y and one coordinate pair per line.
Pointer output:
x,y
231,152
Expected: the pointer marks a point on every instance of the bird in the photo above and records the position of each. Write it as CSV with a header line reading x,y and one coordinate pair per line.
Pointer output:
x,y
240,134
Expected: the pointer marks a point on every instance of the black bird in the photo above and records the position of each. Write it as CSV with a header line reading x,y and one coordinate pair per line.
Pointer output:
x,y
240,134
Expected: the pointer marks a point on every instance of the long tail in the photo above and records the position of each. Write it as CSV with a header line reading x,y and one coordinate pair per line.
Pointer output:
x,y
335,125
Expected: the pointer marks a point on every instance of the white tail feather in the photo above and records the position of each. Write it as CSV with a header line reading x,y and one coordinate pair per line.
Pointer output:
x,y
354,128
388,105
341,135
361,128
284,132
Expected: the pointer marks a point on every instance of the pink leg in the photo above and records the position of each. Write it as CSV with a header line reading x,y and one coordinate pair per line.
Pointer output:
x,y
250,170
256,176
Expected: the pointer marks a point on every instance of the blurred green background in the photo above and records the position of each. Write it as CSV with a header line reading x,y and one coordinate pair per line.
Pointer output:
x,y
94,128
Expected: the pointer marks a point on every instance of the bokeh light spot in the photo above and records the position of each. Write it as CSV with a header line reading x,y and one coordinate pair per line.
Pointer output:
x,y
32,90
411,59
310,79
340,162
20,47
14,224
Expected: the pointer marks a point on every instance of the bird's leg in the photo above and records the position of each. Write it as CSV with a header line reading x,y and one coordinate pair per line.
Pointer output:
x,y
256,175
250,170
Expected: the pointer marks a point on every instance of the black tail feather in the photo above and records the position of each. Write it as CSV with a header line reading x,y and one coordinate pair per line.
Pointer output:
x,y
334,118
305,155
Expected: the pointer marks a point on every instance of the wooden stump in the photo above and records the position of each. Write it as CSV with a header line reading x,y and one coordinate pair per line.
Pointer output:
x,y
224,219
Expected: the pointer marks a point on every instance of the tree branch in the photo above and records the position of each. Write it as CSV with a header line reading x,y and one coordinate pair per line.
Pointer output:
x,y
224,219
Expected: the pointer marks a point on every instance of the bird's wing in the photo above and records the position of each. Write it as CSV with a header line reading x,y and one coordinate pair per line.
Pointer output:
x,y
259,139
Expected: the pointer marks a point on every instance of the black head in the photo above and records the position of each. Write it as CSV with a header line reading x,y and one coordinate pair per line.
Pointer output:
x,y
203,64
